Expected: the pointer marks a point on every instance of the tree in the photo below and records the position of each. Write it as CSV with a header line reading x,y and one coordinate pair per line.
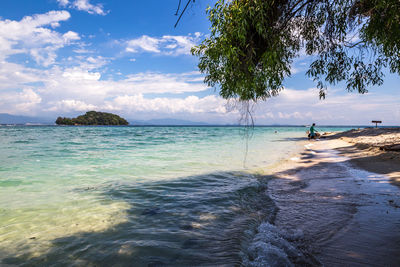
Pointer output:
x,y
93,118
64,121
253,43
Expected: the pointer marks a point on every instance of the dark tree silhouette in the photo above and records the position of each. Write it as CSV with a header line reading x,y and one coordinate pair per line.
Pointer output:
x,y
93,118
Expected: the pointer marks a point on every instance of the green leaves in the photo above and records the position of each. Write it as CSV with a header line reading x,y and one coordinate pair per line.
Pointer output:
x,y
244,55
253,44
93,118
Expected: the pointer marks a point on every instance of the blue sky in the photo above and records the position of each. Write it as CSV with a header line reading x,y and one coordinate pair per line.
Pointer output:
x,y
65,57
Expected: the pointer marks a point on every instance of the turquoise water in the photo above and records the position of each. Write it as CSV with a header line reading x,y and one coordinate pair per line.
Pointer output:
x,y
139,196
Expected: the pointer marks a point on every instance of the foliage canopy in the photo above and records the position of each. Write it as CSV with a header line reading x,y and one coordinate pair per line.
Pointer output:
x,y
93,118
253,43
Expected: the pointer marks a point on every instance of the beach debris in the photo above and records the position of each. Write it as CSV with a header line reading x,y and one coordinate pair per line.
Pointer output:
x,y
326,134
394,147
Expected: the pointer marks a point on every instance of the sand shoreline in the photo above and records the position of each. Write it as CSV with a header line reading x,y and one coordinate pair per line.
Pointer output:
x,y
366,150
343,200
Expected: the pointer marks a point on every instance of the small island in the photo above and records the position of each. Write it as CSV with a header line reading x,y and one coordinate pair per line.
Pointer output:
x,y
93,118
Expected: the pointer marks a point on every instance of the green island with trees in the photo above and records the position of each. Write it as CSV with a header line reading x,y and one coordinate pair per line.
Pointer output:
x,y
93,118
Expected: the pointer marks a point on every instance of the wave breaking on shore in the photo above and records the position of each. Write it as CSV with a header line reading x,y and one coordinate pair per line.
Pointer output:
x,y
340,214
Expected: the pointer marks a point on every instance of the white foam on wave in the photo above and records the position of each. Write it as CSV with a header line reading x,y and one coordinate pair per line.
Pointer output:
x,y
270,247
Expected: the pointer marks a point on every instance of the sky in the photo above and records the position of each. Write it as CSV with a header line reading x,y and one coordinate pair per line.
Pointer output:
x,y
66,57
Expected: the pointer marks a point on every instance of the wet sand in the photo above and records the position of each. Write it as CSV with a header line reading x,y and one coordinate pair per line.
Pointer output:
x,y
365,151
342,201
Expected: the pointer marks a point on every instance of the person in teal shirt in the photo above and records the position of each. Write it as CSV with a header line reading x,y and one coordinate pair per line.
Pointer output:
x,y
312,134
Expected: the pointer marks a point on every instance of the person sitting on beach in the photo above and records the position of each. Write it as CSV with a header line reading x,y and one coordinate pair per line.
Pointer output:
x,y
313,132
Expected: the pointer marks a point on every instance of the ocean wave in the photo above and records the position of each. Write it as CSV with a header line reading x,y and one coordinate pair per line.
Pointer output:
x,y
273,247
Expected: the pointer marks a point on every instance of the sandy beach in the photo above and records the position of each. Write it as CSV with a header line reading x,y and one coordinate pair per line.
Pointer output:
x,y
340,199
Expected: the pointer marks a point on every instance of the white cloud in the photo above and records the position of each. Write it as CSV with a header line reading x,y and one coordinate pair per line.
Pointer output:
x,y
167,106
144,43
293,115
60,90
31,36
15,76
19,102
83,5
80,83
82,51
63,2
58,86
38,20
179,45
71,105
76,83
80,75
168,44
70,36
164,83
92,62
304,107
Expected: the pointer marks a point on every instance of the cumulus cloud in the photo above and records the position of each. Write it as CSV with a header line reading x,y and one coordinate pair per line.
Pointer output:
x,y
83,5
70,36
65,90
304,107
144,43
80,82
14,75
151,82
63,2
190,104
87,84
68,89
19,102
82,51
70,105
76,74
31,36
61,91
168,44
135,104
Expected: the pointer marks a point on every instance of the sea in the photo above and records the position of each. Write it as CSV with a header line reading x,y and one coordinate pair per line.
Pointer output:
x,y
142,196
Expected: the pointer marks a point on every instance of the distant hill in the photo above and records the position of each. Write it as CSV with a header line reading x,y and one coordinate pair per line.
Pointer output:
x,y
15,119
93,118
166,121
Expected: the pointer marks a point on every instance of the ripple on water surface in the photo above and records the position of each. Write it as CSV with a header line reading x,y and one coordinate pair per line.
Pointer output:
x,y
160,196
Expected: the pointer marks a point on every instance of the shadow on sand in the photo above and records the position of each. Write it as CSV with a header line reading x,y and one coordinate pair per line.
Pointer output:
x,y
382,162
366,132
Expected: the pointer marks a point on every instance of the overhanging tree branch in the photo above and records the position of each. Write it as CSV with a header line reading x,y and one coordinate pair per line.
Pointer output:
x,y
183,11
179,6
253,44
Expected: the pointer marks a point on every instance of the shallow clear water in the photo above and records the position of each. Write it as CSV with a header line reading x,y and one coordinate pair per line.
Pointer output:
x,y
147,196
